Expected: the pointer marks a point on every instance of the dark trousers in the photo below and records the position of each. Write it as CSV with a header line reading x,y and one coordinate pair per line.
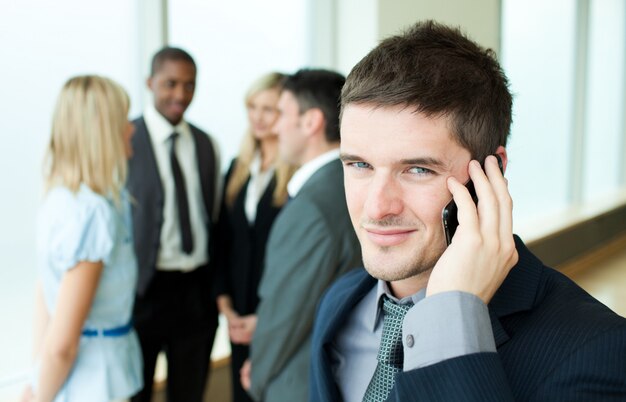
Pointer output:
x,y
177,315
239,354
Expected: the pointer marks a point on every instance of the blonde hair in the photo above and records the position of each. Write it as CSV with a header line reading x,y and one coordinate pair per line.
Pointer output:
x,y
86,144
250,145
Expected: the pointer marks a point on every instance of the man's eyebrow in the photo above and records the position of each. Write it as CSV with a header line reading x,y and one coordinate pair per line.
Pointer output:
x,y
425,161
349,157
421,161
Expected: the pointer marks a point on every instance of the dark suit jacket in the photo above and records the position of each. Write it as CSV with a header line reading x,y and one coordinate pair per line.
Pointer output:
x,y
240,248
144,185
554,343
311,243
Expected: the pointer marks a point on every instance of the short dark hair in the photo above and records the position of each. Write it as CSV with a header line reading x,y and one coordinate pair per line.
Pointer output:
x,y
438,71
317,88
169,53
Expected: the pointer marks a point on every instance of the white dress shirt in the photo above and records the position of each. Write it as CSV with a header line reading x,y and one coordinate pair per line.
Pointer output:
x,y
256,186
307,170
170,255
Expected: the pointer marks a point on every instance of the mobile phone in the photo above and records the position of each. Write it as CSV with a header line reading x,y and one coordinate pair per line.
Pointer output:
x,y
449,215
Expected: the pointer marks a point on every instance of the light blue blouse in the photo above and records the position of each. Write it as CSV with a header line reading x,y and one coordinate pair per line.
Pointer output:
x,y
88,227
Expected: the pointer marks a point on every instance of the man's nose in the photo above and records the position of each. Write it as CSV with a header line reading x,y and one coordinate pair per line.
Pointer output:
x,y
179,92
384,197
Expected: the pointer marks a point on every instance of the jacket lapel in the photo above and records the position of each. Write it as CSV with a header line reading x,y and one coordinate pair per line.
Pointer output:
x,y
517,293
343,302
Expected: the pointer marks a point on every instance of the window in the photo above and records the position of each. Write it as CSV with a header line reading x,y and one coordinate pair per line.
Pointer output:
x,y
537,56
604,124
566,65
44,43
232,48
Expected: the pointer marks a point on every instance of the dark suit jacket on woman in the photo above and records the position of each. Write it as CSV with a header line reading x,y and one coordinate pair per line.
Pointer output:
x,y
240,255
554,343
241,246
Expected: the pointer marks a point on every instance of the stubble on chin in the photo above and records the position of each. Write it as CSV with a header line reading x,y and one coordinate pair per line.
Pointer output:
x,y
382,265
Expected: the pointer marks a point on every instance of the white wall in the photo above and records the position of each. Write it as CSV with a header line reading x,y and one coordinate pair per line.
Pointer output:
x,y
480,19
362,24
231,49
357,31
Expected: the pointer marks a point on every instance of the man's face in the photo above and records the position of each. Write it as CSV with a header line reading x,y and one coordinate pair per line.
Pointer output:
x,y
289,127
173,86
396,163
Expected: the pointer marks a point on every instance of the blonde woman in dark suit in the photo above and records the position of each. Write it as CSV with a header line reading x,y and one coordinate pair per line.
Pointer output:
x,y
255,190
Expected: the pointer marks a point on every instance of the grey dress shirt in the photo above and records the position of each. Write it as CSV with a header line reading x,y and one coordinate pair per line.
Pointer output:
x,y
426,337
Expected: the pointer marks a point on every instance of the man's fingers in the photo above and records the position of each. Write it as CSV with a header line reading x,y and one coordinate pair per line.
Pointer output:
x,y
488,209
467,210
501,191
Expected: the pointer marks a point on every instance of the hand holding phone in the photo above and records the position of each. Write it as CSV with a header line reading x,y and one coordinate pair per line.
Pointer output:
x,y
449,215
483,251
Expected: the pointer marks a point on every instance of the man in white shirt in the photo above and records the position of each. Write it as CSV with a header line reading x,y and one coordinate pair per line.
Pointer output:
x,y
311,242
173,178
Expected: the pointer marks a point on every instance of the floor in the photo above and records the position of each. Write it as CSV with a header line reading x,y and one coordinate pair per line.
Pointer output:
x,y
217,391
604,278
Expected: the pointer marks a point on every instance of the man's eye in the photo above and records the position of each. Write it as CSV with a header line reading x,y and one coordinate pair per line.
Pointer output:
x,y
419,170
360,165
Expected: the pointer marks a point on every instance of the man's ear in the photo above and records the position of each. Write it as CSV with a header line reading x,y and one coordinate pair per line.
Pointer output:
x,y
501,152
149,83
313,121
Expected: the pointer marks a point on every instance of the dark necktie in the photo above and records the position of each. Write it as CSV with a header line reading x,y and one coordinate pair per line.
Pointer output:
x,y
181,199
390,355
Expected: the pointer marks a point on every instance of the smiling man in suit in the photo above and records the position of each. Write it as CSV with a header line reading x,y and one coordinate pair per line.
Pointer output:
x,y
481,319
172,177
311,243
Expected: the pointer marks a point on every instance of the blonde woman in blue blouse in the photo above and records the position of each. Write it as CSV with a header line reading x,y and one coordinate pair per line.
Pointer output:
x,y
85,347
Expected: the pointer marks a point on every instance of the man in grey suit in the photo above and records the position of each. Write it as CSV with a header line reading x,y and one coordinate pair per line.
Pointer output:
x,y
311,243
172,177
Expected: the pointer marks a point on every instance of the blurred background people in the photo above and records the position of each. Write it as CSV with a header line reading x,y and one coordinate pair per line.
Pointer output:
x,y
311,243
85,346
173,178
255,189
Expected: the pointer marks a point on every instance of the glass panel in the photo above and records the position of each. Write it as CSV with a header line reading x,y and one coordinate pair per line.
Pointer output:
x,y
605,99
537,55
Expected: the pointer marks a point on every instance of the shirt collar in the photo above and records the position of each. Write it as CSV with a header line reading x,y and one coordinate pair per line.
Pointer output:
x,y
307,170
159,128
255,164
382,288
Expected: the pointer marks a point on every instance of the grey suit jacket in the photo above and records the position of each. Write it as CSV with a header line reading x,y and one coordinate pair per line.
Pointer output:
x,y
311,243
